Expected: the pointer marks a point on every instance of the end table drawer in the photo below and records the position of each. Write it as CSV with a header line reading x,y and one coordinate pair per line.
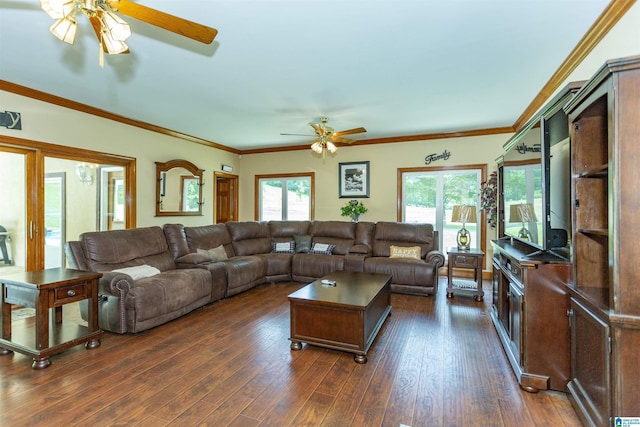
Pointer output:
x,y
71,293
463,261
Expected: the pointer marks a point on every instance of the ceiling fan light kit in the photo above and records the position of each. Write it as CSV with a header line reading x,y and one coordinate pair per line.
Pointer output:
x,y
326,137
112,30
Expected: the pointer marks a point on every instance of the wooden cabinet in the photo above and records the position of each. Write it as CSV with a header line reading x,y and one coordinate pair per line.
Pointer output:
x,y
530,302
604,121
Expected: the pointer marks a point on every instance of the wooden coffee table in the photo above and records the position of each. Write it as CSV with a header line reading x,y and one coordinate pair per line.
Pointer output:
x,y
344,317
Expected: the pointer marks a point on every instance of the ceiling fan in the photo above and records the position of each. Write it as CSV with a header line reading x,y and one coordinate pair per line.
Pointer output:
x,y
112,30
326,137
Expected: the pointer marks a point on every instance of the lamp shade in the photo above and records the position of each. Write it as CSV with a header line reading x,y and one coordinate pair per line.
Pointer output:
x,y
463,214
523,212
65,29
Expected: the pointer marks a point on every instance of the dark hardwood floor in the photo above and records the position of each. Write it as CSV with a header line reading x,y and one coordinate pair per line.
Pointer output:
x,y
436,362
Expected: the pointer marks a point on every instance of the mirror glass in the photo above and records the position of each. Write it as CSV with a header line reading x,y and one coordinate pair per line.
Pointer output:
x,y
178,188
522,189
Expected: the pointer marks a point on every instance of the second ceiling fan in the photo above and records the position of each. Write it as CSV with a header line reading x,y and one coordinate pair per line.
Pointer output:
x,y
326,137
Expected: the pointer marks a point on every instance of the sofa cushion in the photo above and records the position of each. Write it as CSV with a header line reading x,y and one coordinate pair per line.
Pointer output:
x,y
171,293
138,271
216,254
209,236
412,252
283,247
339,233
250,238
303,243
109,250
402,234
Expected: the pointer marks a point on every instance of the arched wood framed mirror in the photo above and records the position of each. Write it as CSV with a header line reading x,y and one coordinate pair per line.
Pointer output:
x,y
178,188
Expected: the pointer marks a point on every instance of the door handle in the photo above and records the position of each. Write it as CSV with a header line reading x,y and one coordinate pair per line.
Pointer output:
x,y
31,230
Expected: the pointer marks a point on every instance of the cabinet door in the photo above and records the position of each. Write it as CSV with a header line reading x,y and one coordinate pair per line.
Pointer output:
x,y
495,287
589,385
516,317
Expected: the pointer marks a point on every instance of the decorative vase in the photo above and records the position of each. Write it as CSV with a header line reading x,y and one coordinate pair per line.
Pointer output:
x,y
355,218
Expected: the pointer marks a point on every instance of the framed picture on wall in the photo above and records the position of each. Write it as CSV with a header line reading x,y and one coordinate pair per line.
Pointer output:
x,y
353,179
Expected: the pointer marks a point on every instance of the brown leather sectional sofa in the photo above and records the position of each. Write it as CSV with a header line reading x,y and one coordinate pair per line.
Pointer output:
x,y
184,277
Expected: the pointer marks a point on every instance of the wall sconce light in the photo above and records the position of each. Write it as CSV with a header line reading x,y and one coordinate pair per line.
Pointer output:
x,y
85,172
463,214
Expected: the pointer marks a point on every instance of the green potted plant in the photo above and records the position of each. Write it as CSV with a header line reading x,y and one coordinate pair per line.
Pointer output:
x,y
353,209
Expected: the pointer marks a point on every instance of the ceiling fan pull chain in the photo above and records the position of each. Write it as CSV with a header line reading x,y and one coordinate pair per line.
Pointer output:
x,y
101,60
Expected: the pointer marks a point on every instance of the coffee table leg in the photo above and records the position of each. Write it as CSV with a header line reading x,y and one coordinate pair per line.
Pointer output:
x,y
360,358
296,345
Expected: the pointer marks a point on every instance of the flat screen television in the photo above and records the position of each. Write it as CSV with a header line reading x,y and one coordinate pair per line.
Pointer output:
x,y
536,183
556,155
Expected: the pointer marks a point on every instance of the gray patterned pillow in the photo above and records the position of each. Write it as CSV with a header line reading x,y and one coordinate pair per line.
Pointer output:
x,y
283,247
322,248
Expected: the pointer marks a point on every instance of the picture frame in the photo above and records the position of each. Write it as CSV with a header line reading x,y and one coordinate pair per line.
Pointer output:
x,y
353,179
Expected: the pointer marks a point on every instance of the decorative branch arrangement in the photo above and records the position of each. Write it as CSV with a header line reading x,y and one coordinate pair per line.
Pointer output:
x,y
488,195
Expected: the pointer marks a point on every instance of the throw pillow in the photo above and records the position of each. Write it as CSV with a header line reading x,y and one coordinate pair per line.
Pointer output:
x,y
138,271
322,248
216,254
412,252
283,247
303,243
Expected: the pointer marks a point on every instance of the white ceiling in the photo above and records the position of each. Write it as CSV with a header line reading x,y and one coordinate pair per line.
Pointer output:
x,y
395,67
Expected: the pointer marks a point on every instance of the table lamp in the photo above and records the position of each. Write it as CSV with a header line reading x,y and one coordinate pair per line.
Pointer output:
x,y
463,214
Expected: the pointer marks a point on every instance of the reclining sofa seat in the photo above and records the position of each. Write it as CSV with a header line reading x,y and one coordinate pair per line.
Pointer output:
x,y
134,305
279,264
241,271
409,276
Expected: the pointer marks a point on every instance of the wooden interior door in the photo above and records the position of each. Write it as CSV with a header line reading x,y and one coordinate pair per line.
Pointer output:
x,y
226,197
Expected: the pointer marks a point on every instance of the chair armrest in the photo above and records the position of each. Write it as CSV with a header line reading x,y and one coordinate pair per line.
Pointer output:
x,y
435,257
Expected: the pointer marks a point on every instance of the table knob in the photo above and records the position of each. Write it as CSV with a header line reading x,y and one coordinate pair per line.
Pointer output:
x,y
71,293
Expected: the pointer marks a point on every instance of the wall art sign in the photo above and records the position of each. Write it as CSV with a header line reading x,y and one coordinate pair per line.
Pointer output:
x,y
11,120
353,179
430,158
524,148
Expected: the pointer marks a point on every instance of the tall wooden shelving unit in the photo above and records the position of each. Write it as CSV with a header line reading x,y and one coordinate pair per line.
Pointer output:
x,y
604,121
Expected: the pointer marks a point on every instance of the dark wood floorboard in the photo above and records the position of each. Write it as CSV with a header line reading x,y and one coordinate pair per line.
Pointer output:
x,y
435,362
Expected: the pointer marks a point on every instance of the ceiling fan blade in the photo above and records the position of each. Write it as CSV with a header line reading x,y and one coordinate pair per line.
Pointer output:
x,y
350,131
185,28
334,138
318,128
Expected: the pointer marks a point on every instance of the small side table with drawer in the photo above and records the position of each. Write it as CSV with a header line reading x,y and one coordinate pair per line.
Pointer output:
x,y
47,291
470,259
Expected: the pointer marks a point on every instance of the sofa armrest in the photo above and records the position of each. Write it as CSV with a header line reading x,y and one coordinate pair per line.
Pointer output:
x,y
193,259
435,257
115,284
360,250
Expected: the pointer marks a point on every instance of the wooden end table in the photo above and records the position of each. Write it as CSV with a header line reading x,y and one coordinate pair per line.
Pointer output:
x,y
469,259
45,290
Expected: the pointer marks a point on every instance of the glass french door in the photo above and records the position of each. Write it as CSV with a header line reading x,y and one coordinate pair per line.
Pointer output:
x,y
51,199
